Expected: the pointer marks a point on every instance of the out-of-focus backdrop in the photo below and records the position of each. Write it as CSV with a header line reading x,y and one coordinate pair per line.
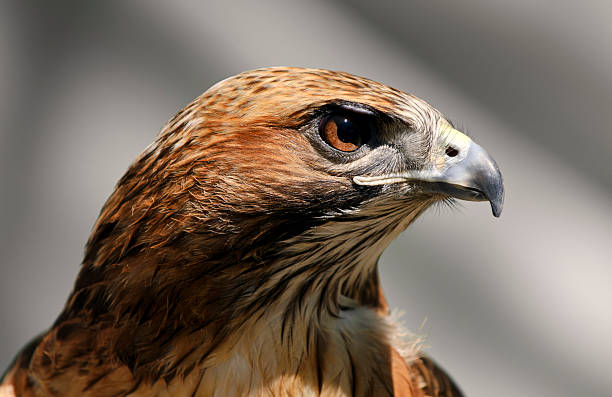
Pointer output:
x,y
520,305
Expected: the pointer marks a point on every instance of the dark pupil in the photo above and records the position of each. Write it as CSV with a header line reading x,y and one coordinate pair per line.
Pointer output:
x,y
347,131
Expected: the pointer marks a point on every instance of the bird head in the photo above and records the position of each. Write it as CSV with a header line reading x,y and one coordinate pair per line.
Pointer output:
x,y
272,194
344,140
326,144
284,165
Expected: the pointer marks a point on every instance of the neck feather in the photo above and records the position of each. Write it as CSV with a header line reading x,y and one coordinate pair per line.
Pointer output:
x,y
203,300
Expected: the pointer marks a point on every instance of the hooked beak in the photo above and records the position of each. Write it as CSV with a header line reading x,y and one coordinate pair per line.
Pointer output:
x,y
469,174
476,178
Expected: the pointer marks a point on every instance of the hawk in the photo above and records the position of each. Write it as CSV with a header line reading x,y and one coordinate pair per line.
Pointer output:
x,y
238,254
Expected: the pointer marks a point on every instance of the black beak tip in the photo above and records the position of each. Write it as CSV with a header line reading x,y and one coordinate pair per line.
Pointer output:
x,y
497,201
493,188
496,208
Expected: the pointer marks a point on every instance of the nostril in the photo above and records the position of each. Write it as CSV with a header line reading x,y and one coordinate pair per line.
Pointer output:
x,y
451,151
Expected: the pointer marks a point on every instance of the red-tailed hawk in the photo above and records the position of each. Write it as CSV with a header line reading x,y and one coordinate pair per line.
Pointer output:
x,y
238,254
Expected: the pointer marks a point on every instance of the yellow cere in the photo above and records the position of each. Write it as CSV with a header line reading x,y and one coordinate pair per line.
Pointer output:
x,y
451,137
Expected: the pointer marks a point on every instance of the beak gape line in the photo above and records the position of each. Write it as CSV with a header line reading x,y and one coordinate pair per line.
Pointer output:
x,y
470,173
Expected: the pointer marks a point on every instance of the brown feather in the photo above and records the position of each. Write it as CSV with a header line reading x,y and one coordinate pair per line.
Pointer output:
x,y
233,257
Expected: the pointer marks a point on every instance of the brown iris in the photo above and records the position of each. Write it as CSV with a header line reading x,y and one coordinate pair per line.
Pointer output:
x,y
344,133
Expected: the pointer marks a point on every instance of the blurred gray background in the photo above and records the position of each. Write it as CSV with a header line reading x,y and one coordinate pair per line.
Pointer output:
x,y
519,305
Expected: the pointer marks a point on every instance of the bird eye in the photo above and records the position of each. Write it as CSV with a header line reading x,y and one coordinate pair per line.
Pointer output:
x,y
344,132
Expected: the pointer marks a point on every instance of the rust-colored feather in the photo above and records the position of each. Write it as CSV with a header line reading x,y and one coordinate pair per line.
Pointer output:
x,y
235,258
